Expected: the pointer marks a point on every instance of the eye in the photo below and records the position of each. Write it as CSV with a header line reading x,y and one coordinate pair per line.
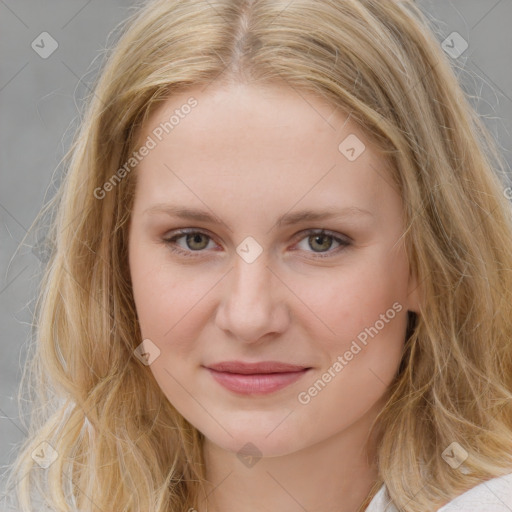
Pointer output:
x,y
322,239
196,241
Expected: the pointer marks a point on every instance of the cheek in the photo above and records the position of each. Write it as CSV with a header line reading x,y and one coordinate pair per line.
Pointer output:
x,y
155,294
170,302
362,334
345,301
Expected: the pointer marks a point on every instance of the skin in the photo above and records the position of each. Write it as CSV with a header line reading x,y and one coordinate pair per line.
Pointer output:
x,y
249,154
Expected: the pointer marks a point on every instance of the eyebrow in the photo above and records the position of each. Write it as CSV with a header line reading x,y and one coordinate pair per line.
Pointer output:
x,y
286,219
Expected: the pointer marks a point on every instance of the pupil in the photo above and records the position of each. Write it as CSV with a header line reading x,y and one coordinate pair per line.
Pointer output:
x,y
196,238
321,237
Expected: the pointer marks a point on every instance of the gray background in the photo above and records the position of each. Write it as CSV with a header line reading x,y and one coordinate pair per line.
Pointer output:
x,y
38,104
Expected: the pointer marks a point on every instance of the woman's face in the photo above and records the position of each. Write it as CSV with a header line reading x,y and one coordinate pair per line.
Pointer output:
x,y
253,283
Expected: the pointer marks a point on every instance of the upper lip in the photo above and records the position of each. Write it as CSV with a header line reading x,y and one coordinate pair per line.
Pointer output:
x,y
255,368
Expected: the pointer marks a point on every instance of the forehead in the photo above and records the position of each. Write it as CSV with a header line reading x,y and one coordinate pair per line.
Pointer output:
x,y
245,142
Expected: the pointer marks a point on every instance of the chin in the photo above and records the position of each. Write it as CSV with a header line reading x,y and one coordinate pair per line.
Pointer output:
x,y
259,441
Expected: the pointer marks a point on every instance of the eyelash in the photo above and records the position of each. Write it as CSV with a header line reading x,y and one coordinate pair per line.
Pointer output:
x,y
171,242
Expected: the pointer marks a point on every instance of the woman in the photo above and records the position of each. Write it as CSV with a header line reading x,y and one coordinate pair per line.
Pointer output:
x,y
264,369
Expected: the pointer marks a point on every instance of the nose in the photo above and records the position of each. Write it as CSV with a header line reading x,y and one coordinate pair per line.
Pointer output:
x,y
254,301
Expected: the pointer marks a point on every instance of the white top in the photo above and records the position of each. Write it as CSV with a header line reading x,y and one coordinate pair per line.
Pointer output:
x,y
492,496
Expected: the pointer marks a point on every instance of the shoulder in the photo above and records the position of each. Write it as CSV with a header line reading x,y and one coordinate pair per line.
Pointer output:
x,y
491,496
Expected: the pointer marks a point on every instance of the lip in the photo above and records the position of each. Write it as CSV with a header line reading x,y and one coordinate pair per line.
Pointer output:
x,y
252,368
256,378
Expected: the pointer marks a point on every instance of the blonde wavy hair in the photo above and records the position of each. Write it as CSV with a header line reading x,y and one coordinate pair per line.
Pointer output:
x,y
120,444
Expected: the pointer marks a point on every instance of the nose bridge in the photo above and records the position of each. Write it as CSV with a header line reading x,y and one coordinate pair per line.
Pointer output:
x,y
251,284
250,307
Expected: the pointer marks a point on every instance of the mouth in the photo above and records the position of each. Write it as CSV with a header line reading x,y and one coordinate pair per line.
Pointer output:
x,y
256,378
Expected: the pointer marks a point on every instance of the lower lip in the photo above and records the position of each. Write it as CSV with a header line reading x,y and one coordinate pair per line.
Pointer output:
x,y
257,384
